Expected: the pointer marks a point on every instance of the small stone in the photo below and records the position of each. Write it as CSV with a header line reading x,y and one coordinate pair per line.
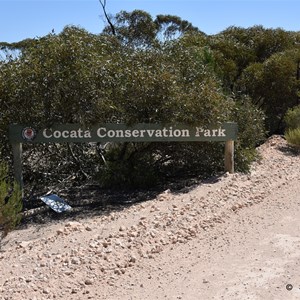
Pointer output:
x,y
105,244
88,282
75,261
93,245
133,234
117,272
132,259
68,273
24,244
59,231
88,228
122,228
74,226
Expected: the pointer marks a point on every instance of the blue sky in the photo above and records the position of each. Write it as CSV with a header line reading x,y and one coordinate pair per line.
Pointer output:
x,y
20,19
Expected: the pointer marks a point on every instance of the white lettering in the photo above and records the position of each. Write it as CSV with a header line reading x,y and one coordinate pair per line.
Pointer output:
x,y
45,134
158,133
87,134
101,132
150,132
73,134
79,133
142,131
65,134
177,133
57,134
199,130
111,133
185,133
119,133
127,133
135,133
221,132
214,132
207,132
165,132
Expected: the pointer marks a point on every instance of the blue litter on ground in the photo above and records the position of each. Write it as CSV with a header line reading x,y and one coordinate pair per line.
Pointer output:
x,y
56,203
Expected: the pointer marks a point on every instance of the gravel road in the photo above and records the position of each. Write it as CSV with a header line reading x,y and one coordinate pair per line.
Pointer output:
x,y
235,237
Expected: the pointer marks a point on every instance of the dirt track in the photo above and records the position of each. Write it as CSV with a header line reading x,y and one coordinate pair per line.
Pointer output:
x,y
236,238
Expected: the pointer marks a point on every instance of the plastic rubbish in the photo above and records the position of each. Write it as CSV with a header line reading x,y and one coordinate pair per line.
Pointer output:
x,y
56,203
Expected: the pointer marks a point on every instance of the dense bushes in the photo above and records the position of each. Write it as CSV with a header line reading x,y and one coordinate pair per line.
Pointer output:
x,y
273,86
292,119
252,131
78,77
10,202
293,136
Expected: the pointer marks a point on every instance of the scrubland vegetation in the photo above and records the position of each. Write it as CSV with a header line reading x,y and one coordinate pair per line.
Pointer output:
x,y
145,70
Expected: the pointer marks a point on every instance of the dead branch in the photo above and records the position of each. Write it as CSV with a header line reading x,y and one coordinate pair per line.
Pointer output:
x,y
112,27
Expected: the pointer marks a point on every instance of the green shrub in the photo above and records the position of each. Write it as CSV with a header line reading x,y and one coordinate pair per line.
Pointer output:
x,y
128,166
293,136
77,77
251,132
10,202
292,118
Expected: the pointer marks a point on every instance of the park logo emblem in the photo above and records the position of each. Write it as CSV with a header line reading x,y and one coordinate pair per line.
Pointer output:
x,y
28,133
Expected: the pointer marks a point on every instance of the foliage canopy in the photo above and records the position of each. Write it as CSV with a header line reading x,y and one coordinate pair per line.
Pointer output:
x,y
161,70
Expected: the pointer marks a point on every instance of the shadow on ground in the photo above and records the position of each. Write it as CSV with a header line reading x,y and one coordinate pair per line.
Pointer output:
x,y
91,200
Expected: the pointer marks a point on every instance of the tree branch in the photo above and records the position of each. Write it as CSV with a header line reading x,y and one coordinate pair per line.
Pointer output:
x,y
77,162
112,27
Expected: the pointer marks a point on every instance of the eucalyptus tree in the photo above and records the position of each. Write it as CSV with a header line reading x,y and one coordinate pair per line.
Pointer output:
x,y
135,29
54,78
231,55
273,86
53,81
138,29
171,27
236,48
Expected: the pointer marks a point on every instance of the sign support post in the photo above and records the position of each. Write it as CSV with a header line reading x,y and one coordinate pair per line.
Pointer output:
x,y
17,160
229,156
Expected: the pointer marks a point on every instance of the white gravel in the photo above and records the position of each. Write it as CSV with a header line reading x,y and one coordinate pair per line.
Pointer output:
x,y
206,243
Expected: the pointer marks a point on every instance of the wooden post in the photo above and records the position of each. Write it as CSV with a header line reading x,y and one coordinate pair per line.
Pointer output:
x,y
229,156
17,156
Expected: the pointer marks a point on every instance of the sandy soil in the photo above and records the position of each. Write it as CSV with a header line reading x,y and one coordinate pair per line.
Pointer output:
x,y
237,237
